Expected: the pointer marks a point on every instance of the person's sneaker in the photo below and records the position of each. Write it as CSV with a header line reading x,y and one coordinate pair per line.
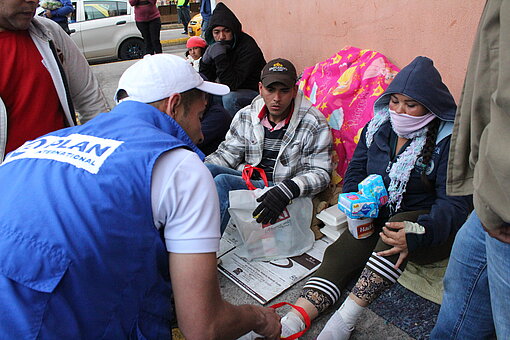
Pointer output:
x,y
335,329
184,32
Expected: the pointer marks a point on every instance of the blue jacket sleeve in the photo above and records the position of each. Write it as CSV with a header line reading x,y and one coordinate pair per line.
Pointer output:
x,y
447,214
357,169
67,7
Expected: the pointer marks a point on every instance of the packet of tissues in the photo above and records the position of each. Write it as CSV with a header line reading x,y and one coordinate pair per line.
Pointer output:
x,y
373,186
355,205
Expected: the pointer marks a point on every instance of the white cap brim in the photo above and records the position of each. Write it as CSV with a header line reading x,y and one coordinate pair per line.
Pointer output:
x,y
214,88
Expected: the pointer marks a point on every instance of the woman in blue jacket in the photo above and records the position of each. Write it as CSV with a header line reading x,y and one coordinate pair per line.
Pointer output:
x,y
407,143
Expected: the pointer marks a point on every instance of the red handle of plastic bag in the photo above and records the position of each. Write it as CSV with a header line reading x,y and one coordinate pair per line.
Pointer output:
x,y
248,172
302,312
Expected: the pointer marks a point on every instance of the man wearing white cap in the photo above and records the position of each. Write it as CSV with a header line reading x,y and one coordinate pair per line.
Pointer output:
x,y
101,223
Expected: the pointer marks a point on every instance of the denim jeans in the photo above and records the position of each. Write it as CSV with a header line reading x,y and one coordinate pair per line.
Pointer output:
x,y
227,179
477,287
183,16
205,23
236,100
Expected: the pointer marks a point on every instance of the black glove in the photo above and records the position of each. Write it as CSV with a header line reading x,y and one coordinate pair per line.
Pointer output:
x,y
274,201
215,50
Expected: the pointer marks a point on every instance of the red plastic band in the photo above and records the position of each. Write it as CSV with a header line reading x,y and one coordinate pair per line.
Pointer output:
x,y
302,312
248,172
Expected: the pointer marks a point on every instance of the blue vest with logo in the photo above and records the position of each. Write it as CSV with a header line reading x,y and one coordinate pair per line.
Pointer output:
x,y
80,257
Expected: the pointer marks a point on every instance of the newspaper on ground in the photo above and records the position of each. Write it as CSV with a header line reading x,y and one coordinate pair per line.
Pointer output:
x,y
265,280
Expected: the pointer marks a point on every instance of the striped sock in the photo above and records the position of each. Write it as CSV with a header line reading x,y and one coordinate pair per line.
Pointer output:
x,y
321,293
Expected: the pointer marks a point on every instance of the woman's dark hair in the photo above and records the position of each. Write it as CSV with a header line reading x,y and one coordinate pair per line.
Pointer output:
x,y
428,151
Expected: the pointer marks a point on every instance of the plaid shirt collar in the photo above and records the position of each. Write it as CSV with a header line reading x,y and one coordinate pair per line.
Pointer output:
x,y
264,113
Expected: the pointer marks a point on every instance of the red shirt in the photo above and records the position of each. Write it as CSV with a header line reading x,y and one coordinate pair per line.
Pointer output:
x,y
27,90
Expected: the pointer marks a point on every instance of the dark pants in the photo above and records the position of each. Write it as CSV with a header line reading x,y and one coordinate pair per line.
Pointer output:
x,y
184,16
65,26
150,33
215,125
347,256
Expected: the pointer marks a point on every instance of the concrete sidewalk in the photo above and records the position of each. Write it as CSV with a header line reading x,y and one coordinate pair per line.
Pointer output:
x,y
176,41
370,325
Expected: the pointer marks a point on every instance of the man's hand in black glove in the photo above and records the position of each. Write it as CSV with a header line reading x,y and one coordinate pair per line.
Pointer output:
x,y
274,201
215,50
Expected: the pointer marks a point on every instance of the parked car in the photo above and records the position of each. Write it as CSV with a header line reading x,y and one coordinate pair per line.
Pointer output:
x,y
106,29
195,26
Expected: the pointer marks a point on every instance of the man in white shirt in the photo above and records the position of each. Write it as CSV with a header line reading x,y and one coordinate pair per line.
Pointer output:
x,y
121,212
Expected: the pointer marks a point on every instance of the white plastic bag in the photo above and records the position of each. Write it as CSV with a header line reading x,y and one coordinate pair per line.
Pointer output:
x,y
289,236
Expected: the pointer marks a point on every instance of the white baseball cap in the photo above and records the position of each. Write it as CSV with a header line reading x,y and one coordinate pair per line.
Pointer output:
x,y
158,76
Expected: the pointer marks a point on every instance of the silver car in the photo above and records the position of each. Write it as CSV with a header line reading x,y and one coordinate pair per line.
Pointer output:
x,y
106,29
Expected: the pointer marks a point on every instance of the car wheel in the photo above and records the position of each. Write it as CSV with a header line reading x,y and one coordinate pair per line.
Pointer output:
x,y
132,48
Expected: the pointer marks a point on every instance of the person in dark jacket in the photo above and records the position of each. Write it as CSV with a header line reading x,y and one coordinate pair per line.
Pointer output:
x,y
233,58
215,125
407,143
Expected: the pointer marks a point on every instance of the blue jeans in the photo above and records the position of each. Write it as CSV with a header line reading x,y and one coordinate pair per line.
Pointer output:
x,y
477,287
236,100
183,16
205,23
227,179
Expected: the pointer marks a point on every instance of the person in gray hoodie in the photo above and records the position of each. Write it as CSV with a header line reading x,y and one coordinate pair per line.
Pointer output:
x,y
407,143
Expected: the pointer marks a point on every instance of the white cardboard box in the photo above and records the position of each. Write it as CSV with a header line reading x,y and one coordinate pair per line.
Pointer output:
x,y
335,222
332,216
333,232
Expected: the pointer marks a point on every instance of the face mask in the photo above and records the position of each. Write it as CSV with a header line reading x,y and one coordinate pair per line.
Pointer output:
x,y
404,124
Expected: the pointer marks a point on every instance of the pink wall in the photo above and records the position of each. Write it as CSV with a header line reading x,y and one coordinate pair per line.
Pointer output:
x,y
309,31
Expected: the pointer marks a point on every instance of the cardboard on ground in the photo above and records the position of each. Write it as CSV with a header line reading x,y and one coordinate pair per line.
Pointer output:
x,y
265,280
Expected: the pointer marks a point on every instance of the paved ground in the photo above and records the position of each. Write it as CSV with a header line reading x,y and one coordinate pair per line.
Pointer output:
x,y
370,326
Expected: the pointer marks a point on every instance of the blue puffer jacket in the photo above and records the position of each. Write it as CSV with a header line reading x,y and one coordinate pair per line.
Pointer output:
x,y
421,81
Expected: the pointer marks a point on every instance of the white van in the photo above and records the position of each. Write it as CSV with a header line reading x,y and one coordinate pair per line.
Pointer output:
x,y
106,29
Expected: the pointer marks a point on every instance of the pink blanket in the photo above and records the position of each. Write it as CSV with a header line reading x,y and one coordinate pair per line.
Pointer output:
x,y
344,88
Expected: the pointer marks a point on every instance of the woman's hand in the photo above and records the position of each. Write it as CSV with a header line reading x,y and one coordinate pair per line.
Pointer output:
x,y
397,239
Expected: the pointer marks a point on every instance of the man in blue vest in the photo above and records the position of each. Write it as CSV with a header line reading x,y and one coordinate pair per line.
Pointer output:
x,y
101,223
